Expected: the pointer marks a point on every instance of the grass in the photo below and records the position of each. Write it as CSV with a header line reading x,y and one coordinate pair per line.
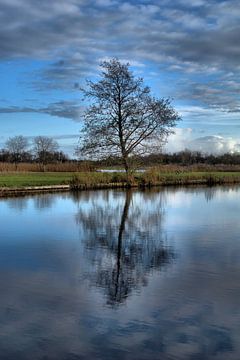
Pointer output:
x,y
87,180
34,179
155,177
27,179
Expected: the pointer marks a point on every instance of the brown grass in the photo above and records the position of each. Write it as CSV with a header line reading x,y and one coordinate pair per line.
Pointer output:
x,y
34,167
86,167
194,168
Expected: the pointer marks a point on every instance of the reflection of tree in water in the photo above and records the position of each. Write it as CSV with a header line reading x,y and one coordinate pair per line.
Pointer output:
x,y
124,241
210,193
18,203
43,201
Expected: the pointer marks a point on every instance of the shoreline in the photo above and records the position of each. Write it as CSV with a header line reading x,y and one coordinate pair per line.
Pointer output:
x,y
31,190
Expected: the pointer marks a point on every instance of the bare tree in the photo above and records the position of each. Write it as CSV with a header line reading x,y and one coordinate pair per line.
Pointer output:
x,y
124,118
17,147
43,147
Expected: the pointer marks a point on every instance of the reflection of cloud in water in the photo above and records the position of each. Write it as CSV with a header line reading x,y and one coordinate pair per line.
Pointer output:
x,y
40,317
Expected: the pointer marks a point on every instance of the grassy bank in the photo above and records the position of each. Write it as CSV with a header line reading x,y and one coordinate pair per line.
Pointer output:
x,y
153,177
91,180
22,179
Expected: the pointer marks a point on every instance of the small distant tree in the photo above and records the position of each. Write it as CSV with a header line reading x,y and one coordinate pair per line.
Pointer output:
x,y
124,118
43,148
60,157
17,147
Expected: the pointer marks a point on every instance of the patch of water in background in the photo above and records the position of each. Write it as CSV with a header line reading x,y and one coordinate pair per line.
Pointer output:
x,y
118,170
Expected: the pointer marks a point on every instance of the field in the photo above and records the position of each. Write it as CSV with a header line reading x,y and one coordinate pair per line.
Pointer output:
x,y
18,179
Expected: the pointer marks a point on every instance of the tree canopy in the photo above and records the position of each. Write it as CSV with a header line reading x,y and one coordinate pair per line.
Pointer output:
x,y
124,118
17,147
43,148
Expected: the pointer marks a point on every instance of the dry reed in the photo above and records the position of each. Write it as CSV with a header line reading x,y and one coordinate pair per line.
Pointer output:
x,y
35,167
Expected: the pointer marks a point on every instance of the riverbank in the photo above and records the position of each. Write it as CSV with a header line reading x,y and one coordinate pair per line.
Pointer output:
x,y
13,184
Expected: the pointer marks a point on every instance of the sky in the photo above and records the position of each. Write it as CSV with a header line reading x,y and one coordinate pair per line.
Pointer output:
x,y
186,50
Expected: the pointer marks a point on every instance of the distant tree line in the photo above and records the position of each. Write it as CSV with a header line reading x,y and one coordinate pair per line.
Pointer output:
x,y
185,157
45,150
42,149
188,157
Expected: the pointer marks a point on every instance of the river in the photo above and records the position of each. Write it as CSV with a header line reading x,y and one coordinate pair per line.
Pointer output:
x,y
125,275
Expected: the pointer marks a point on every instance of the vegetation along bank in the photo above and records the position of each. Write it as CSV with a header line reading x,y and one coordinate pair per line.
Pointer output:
x,y
26,182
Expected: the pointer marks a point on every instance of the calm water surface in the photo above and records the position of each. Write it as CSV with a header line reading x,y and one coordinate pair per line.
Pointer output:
x,y
121,275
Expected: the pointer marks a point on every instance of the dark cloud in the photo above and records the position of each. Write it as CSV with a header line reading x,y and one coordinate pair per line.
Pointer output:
x,y
222,93
65,109
206,32
65,73
64,137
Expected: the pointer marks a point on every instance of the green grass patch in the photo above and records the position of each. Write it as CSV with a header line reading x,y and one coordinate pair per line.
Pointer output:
x,y
34,179
28,179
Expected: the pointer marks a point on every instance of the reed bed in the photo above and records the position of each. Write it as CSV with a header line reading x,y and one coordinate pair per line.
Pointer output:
x,y
171,168
152,177
35,167
87,166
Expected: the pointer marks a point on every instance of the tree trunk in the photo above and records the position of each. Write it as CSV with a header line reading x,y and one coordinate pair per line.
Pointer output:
x,y
118,293
126,164
127,169
42,166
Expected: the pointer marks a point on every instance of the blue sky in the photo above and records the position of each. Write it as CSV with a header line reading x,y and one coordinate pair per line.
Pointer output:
x,y
188,51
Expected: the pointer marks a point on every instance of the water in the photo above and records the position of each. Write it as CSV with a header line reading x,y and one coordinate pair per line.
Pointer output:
x,y
121,275
118,170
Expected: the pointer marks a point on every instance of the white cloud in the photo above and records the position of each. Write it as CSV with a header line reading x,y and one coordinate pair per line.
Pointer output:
x,y
179,140
215,144
212,144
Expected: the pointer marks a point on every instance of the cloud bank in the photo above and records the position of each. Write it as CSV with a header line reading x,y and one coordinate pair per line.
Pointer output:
x,y
65,109
201,37
211,144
